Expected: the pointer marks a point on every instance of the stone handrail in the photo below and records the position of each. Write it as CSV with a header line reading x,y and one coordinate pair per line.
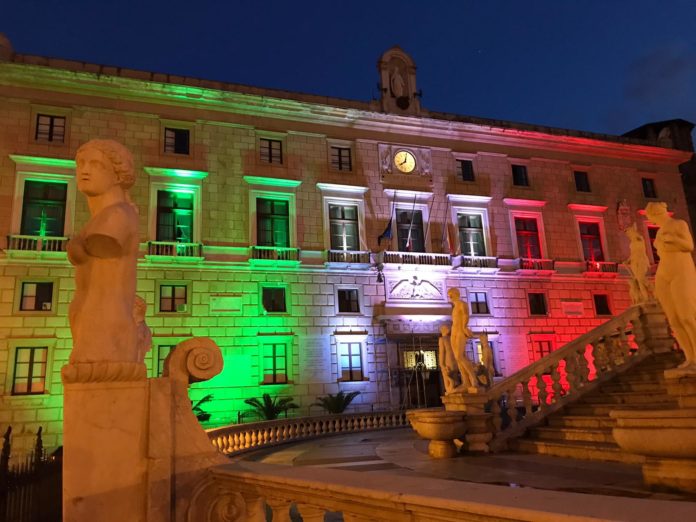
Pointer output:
x,y
518,402
238,438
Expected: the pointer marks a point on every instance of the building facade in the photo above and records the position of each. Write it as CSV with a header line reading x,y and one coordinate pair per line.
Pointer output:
x,y
314,239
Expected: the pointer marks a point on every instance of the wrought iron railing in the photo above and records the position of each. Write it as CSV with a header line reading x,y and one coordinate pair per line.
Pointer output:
x,y
478,262
348,256
174,249
528,263
275,253
36,243
417,258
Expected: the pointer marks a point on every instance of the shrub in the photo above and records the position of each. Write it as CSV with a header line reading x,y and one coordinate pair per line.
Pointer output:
x,y
336,403
269,408
200,413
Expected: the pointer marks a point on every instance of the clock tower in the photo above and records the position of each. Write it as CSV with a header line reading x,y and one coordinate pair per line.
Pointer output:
x,y
397,73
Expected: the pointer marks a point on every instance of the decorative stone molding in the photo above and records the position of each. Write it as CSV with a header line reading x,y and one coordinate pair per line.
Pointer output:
x,y
103,372
194,360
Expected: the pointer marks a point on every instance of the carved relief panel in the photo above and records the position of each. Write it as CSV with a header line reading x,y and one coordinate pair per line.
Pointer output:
x,y
414,289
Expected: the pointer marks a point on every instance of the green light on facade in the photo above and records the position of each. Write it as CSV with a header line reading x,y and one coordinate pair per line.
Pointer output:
x,y
272,182
43,162
176,173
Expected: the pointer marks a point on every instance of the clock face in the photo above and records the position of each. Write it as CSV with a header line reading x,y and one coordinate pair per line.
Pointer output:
x,y
405,161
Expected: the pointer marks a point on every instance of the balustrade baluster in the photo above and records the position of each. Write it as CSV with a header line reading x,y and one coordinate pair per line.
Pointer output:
x,y
247,440
511,405
497,416
556,383
526,399
311,513
280,508
542,393
571,369
255,508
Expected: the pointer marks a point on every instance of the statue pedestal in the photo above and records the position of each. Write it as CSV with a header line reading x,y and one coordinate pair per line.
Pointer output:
x,y
479,429
440,427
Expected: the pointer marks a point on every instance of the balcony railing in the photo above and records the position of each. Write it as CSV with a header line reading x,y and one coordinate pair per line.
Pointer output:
x,y
607,267
417,258
36,243
527,263
348,256
264,253
174,249
477,262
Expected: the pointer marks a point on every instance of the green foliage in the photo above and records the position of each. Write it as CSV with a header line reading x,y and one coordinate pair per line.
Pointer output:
x,y
336,403
269,408
200,413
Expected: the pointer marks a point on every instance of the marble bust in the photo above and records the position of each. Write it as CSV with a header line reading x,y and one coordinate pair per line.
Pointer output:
x,y
675,280
103,310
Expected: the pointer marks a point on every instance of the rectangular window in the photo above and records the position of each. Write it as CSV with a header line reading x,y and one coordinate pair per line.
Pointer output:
x,y
519,176
275,363
465,170
649,188
163,350
341,159
273,299
30,370
478,303
537,303
540,348
271,151
652,234
43,208
50,128
409,230
176,141
174,216
591,241
582,181
351,361
527,230
471,239
36,297
601,304
348,301
343,223
173,298
272,222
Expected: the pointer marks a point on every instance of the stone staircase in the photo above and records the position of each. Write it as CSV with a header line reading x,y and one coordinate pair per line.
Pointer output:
x,y
583,429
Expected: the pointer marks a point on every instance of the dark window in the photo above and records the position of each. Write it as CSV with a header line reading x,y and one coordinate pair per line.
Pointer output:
x,y
478,302
163,350
273,299
50,128
30,370
43,208
351,362
471,239
537,303
540,348
591,242
519,176
582,181
176,140
409,230
174,216
271,150
652,234
343,222
272,223
36,297
527,230
465,170
340,158
348,301
173,298
601,304
649,188
275,363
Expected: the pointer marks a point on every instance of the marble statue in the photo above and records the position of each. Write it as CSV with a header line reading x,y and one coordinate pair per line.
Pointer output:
x,y
675,280
396,82
459,336
143,333
487,358
104,254
448,363
638,264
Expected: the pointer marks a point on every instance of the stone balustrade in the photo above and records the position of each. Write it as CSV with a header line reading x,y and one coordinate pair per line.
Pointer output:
x,y
417,258
238,438
36,243
601,267
264,253
174,249
348,256
527,263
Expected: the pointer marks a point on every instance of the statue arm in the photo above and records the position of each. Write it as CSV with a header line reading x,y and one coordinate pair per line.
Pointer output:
x,y
680,237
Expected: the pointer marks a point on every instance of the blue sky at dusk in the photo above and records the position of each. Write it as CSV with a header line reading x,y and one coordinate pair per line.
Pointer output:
x,y
603,66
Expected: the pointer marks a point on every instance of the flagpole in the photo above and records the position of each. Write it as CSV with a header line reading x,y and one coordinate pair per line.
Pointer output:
x,y
430,217
444,228
410,225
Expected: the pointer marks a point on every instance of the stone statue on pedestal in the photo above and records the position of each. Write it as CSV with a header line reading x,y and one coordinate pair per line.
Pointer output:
x,y
487,359
675,280
459,337
448,363
638,264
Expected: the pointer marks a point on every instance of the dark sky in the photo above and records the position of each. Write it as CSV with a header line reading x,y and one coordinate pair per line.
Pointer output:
x,y
604,66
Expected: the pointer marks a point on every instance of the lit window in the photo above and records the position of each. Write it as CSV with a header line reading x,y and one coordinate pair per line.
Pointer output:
x,y
471,234
174,216
519,176
341,159
343,222
30,370
591,241
601,304
36,297
273,299
271,151
43,208
649,188
351,361
173,298
409,230
50,128
537,303
465,170
176,141
527,230
478,303
348,301
272,223
275,363
163,351
582,181
540,347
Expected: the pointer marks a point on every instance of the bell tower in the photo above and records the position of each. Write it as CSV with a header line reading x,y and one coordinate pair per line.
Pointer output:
x,y
397,73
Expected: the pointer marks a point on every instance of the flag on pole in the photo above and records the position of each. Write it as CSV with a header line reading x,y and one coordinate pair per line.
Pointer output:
x,y
387,234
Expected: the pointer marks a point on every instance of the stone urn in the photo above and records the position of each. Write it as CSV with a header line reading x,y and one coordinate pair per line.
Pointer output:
x,y
440,427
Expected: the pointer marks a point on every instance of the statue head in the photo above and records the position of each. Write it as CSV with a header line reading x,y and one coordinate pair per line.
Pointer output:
x,y
657,212
444,330
103,164
453,295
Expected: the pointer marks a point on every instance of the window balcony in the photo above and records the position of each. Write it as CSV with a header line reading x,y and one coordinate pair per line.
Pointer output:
x,y
601,269
36,246
537,266
476,264
263,255
417,258
348,258
174,251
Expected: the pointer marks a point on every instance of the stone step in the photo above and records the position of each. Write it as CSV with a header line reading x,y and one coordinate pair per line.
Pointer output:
x,y
643,387
604,409
577,450
580,421
573,434
629,398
